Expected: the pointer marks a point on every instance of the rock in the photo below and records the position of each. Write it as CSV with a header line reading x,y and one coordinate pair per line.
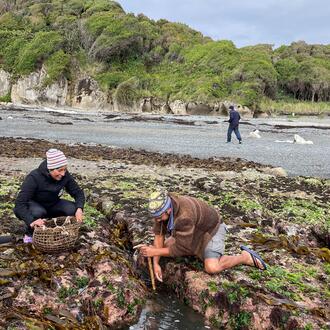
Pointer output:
x,y
300,140
8,252
260,114
221,109
194,108
88,96
5,84
322,234
255,134
252,175
107,208
276,171
152,104
31,90
288,230
244,111
178,107
98,245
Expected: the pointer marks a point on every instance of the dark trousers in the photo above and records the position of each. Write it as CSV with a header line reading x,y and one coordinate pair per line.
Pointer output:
x,y
61,208
236,131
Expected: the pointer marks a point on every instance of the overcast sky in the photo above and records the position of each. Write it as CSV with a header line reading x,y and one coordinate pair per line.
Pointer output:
x,y
245,22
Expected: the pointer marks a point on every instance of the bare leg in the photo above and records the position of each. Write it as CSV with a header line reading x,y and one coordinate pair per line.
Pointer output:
x,y
213,265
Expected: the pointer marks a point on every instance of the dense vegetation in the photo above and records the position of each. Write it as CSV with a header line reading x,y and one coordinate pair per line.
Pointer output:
x,y
149,58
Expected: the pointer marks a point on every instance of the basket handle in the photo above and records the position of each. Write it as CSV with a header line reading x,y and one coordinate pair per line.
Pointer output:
x,y
67,220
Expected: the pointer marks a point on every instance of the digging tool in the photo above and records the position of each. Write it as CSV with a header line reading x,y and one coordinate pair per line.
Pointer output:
x,y
151,271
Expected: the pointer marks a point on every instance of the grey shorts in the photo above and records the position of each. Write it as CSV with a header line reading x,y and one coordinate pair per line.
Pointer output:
x,y
216,246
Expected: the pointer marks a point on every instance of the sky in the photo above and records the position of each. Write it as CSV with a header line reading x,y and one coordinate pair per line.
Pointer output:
x,y
245,22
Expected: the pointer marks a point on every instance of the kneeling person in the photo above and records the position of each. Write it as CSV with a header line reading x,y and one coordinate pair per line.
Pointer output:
x,y
194,228
40,193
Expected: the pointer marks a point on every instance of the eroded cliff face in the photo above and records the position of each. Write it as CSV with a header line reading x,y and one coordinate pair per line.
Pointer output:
x,y
32,89
85,93
5,83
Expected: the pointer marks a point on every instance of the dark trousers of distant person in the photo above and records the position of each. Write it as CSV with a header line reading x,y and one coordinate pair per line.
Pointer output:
x,y
236,131
61,208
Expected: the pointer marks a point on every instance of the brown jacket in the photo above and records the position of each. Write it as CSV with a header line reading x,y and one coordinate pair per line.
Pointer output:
x,y
195,223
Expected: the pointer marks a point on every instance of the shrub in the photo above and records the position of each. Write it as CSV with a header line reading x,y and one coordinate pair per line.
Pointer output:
x,y
5,98
126,93
37,50
57,65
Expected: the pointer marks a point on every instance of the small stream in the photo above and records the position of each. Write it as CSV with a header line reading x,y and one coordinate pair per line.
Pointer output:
x,y
164,311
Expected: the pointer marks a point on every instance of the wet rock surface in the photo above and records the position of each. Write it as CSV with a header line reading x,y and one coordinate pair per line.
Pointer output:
x,y
98,283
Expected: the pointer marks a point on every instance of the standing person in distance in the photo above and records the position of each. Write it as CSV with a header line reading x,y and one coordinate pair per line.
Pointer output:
x,y
234,118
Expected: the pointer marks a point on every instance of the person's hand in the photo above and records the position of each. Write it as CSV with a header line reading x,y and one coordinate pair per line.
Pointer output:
x,y
38,223
79,215
148,251
158,272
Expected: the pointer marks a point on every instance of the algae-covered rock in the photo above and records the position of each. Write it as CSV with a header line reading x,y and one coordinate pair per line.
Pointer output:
x,y
285,219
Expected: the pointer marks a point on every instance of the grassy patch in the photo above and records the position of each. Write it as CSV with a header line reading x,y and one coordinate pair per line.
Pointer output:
x,y
296,107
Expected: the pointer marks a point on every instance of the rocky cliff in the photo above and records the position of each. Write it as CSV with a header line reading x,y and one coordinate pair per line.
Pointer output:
x,y
85,93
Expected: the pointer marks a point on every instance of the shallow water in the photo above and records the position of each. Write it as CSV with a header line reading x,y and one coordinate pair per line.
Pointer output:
x,y
164,311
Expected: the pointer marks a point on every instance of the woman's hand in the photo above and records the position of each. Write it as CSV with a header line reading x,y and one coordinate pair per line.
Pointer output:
x,y
37,223
158,272
79,215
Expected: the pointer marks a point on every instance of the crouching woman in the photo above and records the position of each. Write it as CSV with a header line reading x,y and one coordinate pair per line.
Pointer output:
x,y
39,196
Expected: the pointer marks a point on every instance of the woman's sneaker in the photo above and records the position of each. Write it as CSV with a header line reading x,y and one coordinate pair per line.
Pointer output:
x,y
27,239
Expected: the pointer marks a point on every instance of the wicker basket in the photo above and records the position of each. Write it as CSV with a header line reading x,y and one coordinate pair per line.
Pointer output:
x,y
57,235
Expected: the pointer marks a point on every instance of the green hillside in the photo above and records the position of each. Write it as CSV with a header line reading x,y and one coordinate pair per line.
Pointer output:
x,y
134,56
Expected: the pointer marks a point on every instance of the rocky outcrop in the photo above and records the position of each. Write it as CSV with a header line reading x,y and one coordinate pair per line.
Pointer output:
x,y
5,83
151,104
33,90
194,108
85,93
88,96
244,111
178,107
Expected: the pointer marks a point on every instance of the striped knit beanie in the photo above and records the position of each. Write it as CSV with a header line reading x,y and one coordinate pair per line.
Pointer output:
x,y
55,159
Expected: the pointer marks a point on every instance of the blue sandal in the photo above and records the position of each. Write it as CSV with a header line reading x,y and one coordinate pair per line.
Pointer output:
x,y
255,256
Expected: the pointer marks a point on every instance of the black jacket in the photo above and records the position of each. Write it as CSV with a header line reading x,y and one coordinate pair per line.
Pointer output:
x,y
40,187
234,118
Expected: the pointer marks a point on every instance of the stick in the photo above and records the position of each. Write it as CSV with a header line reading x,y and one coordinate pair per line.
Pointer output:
x,y
151,274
